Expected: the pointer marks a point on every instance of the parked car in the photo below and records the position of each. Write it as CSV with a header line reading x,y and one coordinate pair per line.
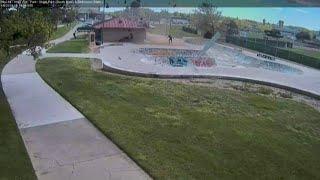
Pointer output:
x,y
98,43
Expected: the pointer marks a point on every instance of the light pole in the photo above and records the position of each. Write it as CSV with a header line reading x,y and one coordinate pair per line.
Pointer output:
x,y
103,19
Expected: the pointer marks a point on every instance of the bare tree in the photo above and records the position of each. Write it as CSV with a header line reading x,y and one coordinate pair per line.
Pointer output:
x,y
206,18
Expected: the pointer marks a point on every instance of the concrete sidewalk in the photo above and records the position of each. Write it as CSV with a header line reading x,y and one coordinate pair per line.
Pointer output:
x,y
61,142
74,55
66,37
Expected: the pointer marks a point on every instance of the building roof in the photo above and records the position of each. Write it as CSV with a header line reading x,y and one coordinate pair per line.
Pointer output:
x,y
121,23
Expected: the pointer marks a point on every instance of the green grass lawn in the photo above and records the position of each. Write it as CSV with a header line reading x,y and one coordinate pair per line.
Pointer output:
x,y
175,31
315,54
61,31
14,160
178,131
71,46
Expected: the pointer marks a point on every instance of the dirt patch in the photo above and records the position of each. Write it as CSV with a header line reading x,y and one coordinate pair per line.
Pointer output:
x,y
253,88
163,40
234,85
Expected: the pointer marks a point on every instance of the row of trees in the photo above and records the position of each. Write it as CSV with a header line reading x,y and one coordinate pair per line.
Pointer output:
x,y
207,19
302,35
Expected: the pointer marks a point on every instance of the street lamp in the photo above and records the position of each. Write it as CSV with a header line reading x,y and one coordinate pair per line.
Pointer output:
x,y
103,16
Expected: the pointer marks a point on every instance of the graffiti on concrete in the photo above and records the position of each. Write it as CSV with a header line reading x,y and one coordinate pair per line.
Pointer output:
x,y
177,57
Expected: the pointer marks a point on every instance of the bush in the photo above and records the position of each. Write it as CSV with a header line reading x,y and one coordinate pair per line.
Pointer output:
x,y
265,91
287,95
208,35
3,56
190,30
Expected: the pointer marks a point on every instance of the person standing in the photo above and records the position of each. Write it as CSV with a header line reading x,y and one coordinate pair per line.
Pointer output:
x,y
170,39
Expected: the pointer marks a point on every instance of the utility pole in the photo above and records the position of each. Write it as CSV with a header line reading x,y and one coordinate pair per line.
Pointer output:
x,y
104,17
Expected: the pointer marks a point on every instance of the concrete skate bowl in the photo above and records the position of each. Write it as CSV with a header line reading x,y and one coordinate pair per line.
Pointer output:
x,y
217,56
226,56
218,62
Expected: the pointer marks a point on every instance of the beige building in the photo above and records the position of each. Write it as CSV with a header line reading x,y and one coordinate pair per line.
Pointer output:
x,y
120,30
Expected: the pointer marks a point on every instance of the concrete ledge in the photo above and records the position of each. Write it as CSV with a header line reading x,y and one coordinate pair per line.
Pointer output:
x,y
108,68
96,64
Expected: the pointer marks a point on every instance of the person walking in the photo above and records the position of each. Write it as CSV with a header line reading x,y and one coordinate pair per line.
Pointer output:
x,y
170,39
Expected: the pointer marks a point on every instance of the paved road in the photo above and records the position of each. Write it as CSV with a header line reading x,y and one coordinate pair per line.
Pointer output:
x,y
61,142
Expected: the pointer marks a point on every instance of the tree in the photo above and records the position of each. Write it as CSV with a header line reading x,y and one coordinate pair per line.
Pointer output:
x,y
273,33
28,27
135,4
13,28
303,35
206,18
38,31
70,16
56,16
231,27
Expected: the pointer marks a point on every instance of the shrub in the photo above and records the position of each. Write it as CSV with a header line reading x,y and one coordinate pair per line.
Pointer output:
x,y
190,30
208,35
2,56
265,91
285,95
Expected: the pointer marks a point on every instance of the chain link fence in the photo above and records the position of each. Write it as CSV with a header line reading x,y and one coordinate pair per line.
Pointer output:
x,y
279,49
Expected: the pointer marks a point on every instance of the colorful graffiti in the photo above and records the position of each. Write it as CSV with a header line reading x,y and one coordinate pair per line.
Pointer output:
x,y
178,61
178,57
204,62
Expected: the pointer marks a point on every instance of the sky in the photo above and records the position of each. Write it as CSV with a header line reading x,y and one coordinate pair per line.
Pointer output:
x,y
303,17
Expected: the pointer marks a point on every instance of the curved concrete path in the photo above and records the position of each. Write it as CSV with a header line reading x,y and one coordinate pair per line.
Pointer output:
x,y
61,142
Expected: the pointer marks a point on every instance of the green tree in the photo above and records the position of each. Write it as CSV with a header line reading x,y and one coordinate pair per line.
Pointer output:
x,y
231,27
273,33
13,28
70,16
135,4
56,16
38,31
28,27
303,35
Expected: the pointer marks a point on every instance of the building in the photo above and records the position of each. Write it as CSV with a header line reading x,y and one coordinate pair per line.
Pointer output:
x,y
287,31
120,30
264,21
180,21
288,34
